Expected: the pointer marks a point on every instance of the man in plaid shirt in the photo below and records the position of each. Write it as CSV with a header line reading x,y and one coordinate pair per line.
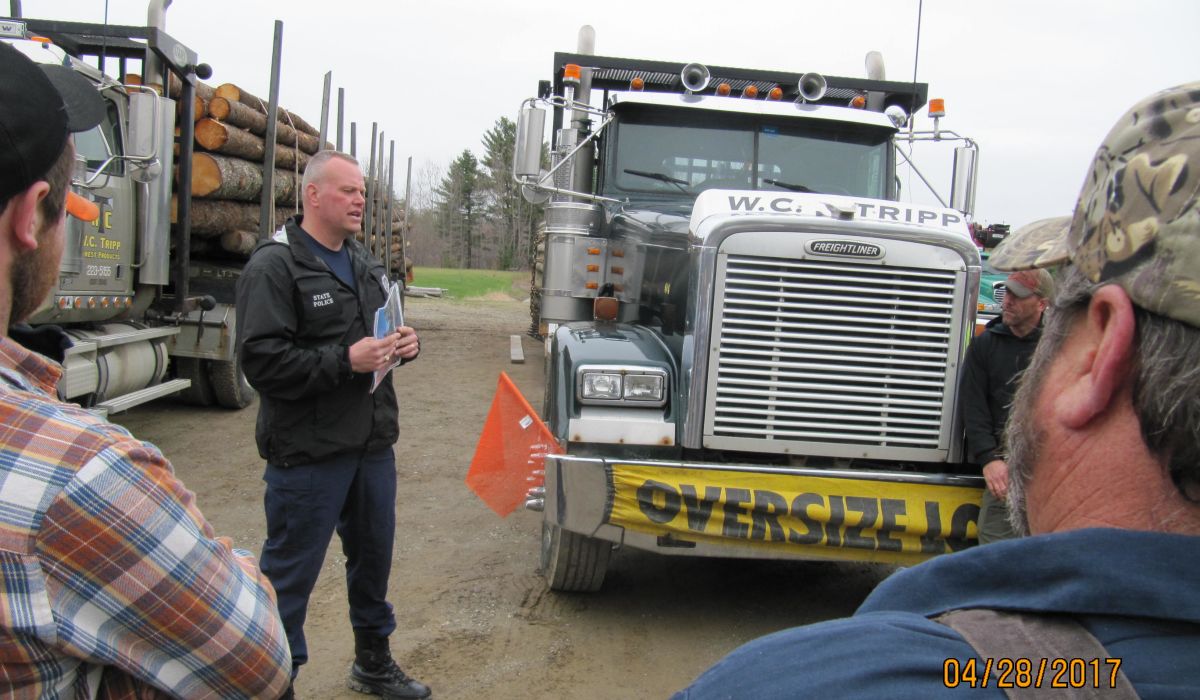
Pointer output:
x,y
112,584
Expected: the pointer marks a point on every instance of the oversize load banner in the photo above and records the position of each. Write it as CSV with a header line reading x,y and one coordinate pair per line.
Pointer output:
x,y
820,517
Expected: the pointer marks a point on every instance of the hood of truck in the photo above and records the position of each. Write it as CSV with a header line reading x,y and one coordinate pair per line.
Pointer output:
x,y
716,206
662,220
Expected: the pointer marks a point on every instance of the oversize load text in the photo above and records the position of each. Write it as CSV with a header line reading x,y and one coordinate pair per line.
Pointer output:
x,y
796,511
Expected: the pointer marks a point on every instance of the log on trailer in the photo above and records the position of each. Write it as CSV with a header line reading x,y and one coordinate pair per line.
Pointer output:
x,y
232,92
213,217
175,88
239,242
255,122
220,177
220,137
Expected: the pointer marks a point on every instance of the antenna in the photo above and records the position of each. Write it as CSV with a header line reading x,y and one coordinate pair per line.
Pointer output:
x,y
912,112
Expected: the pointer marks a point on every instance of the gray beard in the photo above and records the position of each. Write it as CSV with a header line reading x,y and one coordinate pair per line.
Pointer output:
x,y
1023,437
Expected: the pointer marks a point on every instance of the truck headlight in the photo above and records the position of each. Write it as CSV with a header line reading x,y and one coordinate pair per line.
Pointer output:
x,y
629,386
599,385
644,387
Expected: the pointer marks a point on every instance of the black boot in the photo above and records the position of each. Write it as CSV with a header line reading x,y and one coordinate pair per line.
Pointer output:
x,y
376,673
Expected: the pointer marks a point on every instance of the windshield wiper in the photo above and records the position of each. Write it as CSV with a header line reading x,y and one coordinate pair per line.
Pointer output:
x,y
661,177
788,185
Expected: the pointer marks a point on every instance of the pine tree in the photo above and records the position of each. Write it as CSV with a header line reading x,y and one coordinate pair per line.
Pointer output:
x,y
503,199
459,202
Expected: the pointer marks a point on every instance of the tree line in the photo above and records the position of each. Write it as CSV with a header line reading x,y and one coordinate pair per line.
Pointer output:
x,y
470,214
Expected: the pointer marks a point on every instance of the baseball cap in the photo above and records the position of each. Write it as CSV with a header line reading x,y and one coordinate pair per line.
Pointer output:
x,y
1137,220
40,106
1026,282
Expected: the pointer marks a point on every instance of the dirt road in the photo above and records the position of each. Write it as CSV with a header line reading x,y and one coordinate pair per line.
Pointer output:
x,y
475,617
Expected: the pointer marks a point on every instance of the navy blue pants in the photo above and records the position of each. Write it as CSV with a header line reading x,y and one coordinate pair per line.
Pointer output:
x,y
354,493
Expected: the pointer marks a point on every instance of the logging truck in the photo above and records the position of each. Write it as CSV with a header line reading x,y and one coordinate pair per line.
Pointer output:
x,y
147,289
752,347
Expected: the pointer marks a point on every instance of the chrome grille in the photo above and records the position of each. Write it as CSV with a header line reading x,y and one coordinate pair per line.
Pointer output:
x,y
832,352
998,292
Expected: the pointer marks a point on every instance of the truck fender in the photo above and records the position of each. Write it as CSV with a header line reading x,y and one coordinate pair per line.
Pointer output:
x,y
587,343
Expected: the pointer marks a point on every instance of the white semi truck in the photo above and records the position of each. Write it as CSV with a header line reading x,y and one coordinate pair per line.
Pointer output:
x,y
752,348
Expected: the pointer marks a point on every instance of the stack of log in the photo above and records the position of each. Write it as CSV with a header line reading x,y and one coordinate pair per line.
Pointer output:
x,y
377,243
227,169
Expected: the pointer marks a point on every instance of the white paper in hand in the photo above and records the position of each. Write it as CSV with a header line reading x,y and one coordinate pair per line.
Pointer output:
x,y
388,318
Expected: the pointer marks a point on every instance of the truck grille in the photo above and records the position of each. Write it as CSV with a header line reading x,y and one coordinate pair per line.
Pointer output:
x,y
832,352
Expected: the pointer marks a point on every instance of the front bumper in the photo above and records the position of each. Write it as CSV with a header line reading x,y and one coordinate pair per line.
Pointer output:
x,y
763,512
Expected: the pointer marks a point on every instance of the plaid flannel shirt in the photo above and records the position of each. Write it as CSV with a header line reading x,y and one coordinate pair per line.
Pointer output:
x,y
112,584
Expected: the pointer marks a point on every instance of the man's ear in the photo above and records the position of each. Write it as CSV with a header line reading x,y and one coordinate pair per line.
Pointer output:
x,y
26,215
1102,355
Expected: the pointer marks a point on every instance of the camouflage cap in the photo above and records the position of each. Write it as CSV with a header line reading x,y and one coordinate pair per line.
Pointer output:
x,y
1024,283
1137,221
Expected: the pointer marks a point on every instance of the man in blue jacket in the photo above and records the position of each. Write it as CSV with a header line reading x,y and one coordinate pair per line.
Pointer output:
x,y
306,304
1104,472
994,362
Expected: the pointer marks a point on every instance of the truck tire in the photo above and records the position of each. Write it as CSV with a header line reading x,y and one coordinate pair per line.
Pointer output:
x,y
200,393
229,384
573,562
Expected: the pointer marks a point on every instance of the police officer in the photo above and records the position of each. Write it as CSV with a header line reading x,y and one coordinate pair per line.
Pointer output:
x,y
306,302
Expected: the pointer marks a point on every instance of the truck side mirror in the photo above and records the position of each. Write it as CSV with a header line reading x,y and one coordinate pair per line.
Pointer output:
x,y
151,125
527,158
962,181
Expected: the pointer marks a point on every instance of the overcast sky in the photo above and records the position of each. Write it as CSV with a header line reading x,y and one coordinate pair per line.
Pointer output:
x,y
1036,83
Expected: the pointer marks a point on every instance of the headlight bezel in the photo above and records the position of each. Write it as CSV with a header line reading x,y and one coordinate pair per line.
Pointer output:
x,y
642,376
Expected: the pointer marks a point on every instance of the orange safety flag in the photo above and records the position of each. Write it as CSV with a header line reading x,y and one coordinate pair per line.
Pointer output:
x,y
509,458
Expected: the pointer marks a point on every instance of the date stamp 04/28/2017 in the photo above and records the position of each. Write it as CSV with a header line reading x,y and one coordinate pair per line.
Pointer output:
x,y
1030,673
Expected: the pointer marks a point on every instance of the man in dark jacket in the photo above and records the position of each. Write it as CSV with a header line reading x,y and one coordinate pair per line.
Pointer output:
x,y
306,305
994,360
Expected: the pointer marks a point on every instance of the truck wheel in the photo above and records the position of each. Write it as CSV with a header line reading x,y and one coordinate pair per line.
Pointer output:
x,y
573,562
200,393
229,384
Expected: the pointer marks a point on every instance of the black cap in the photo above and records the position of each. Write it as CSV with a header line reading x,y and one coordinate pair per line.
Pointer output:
x,y
40,105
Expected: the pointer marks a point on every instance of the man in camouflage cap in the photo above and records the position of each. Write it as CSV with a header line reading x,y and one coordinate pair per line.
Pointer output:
x,y
1131,257
1104,452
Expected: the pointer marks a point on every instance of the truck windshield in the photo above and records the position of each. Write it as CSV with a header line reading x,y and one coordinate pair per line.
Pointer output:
x,y
684,152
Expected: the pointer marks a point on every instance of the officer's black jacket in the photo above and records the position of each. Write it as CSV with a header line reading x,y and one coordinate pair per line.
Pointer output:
x,y
296,322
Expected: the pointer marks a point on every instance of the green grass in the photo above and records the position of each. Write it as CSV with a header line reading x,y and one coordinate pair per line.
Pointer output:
x,y
469,284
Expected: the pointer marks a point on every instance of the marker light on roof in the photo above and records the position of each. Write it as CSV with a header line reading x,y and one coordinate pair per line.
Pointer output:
x,y
937,107
571,73
637,84
750,91
775,93
858,102
724,89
